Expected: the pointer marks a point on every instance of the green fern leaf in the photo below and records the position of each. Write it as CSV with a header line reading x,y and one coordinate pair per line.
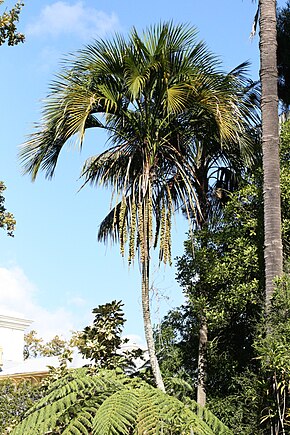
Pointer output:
x,y
117,414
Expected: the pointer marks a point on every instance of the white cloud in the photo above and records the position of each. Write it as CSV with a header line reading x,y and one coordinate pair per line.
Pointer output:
x,y
18,297
76,19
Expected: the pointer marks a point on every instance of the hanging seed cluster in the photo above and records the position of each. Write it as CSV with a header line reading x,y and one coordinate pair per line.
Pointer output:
x,y
134,217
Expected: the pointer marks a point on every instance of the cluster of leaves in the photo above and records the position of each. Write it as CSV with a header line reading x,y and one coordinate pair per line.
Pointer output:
x,y
7,221
220,272
8,21
35,347
109,402
102,342
97,400
273,349
15,399
223,278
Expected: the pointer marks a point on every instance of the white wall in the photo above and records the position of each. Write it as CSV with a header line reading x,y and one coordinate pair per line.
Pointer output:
x,y
12,338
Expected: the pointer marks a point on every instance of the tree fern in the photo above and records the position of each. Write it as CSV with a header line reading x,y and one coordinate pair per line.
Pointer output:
x,y
109,403
117,414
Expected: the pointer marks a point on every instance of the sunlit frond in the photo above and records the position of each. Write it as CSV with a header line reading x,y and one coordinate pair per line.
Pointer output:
x,y
157,95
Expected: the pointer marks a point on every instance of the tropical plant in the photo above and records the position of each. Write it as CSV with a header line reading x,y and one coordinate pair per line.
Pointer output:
x,y
156,95
106,402
217,171
8,20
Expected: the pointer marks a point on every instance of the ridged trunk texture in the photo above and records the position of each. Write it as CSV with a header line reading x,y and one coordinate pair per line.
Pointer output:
x,y
148,325
270,142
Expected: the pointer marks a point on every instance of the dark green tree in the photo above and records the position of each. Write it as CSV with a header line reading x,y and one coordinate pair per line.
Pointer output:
x,y
232,268
102,342
229,266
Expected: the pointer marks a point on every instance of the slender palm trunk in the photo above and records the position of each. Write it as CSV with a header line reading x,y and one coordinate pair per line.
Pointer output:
x,y
148,325
271,163
203,330
270,142
201,378
145,270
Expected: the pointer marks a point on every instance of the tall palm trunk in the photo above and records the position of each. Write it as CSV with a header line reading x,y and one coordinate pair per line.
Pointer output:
x,y
201,363
145,270
203,329
148,325
270,142
271,165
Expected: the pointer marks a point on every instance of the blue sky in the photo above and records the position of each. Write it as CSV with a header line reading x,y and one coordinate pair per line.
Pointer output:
x,y
54,271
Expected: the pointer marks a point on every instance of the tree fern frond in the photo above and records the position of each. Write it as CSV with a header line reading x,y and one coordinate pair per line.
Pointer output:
x,y
117,414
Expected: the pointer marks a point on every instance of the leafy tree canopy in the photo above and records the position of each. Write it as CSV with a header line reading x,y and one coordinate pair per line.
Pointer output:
x,y
224,276
102,342
35,346
8,21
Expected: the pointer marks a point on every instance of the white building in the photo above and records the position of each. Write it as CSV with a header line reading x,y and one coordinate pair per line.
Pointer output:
x,y
12,364
12,340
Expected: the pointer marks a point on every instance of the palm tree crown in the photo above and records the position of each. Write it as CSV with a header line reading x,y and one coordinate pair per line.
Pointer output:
x,y
157,96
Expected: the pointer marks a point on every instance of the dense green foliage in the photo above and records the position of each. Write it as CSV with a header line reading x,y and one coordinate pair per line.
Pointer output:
x,y
222,279
102,342
15,399
8,21
221,273
107,402
273,353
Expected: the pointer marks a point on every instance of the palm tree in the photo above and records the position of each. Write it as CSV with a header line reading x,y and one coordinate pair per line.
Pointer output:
x,y
270,143
152,94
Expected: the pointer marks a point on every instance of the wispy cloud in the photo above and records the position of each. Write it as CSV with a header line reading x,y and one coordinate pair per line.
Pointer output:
x,y
19,297
65,18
